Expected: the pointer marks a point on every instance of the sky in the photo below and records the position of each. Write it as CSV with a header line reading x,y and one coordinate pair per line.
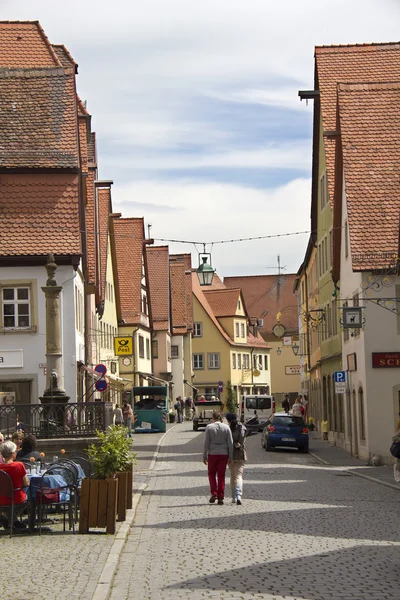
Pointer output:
x,y
196,111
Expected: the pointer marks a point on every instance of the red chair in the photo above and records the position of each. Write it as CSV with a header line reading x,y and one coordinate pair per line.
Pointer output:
x,y
7,489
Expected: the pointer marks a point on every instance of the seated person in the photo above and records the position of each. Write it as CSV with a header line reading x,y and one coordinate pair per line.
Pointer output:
x,y
28,449
17,438
17,472
1,441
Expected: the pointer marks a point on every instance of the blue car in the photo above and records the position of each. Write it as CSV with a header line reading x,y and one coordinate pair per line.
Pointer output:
x,y
287,431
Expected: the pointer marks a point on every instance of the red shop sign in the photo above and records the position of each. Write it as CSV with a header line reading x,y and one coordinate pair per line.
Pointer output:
x,y
385,360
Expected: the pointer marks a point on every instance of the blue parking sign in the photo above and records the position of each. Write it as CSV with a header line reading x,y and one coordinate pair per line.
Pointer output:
x,y
339,376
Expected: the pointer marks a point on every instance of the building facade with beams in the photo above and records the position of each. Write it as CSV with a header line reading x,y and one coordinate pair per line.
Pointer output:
x,y
333,179
226,348
266,297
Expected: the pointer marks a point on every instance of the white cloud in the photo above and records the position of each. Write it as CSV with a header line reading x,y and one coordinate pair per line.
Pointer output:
x,y
214,212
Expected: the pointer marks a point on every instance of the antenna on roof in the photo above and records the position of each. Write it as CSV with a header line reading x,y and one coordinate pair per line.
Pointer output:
x,y
279,266
148,230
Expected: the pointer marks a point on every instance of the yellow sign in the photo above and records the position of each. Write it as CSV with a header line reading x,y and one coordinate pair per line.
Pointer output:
x,y
123,346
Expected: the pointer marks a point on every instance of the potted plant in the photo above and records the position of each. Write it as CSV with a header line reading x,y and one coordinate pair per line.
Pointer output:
x,y
171,416
99,494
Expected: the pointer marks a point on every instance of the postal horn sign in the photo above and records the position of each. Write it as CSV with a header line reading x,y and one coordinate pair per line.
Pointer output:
x,y
123,346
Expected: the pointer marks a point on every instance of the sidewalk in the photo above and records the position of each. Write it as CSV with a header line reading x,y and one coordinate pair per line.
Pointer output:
x,y
335,456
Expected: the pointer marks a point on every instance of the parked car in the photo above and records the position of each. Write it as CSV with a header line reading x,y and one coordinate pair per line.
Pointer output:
x,y
287,431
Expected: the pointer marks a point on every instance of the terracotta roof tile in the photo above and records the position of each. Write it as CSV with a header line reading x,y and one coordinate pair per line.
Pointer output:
x,y
39,214
223,302
257,341
202,299
64,57
38,118
104,210
158,274
370,125
181,293
129,238
267,295
91,227
92,153
23,44
352,63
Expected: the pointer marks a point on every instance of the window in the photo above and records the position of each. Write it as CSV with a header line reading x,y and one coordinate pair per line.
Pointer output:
x,y
213,360
237,329
147,348
260,362
197,330
239,305
239,361
16,308
144,304
323,190
266,362
155,348
346,239
233,360
174,351
246,361
242,330
141,346
331,248
254,361
198,361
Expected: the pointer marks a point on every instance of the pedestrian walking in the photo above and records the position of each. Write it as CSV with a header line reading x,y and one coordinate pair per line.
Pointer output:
x,y
236,466
286,404
297,409
178,408
189,408
325,429
118,415
217,452
127,414
395,451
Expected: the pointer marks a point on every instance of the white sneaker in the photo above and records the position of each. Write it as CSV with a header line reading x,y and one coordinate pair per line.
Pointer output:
x,y
233,501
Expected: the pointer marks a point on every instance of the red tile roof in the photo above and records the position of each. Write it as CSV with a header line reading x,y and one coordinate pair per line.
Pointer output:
x,y
23,44
370,125
181,293
38,118
91,237
64,57
129,238
267,295
158,280
224,302
39,214
348,64
104,210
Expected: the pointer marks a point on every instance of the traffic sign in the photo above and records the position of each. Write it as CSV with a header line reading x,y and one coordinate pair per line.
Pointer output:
x,y
102,369
101,385
220,387
339,377
340,388
123,346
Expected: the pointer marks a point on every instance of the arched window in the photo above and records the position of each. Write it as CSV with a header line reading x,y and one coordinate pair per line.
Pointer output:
x,y
362,412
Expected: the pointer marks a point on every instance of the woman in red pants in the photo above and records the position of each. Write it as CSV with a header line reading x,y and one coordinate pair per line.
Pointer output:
x,y
218,450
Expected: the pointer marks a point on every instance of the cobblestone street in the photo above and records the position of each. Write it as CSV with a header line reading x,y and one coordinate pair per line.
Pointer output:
x,y
305,530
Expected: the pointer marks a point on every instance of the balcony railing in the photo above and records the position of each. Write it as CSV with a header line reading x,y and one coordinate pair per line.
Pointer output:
x,y
56,420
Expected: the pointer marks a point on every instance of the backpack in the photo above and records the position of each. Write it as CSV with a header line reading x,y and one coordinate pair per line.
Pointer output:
x,y
395,449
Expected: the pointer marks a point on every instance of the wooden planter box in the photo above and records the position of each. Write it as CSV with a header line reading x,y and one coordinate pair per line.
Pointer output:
x,y
125,491
98,504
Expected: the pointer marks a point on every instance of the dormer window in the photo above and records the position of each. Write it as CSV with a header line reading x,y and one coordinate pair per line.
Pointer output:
x,y
239,305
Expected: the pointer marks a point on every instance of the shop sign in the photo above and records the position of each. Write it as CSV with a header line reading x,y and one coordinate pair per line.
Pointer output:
x,y
292,370
10,359
385,360
123,346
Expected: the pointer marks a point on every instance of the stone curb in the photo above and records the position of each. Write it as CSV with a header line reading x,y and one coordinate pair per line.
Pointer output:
x,y
362,475
103,587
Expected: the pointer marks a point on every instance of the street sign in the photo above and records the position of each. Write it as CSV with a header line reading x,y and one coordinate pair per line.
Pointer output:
x,y
101,385
340,388
123,346
220,386
102,369
339,377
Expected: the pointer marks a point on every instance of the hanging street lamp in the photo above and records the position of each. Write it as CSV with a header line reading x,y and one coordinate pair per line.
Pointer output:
x,y
205,272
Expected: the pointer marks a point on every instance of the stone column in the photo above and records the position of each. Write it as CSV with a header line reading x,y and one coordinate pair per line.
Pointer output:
x,y
54,391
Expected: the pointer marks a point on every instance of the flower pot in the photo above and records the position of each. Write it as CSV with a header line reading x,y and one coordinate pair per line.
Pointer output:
x,y
171,418
98,504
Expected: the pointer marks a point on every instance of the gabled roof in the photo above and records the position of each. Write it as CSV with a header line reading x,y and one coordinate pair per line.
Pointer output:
x,y
39,214
351,63
104,209
267,295
370,126
38,118
129,242
223,302
158,281
181,293
202,299
23,44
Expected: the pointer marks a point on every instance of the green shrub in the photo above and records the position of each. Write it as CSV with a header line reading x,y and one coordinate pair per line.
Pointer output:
x,y
112,452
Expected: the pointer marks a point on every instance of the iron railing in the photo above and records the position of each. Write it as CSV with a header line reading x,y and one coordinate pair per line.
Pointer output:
x,y
71,420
